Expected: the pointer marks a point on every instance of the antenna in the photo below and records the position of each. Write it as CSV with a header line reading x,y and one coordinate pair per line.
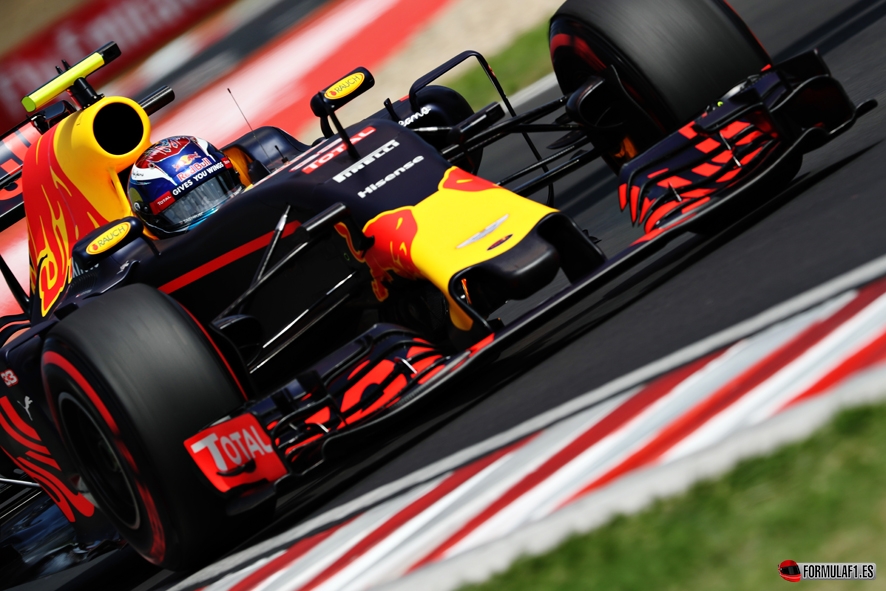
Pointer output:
x,y
254,136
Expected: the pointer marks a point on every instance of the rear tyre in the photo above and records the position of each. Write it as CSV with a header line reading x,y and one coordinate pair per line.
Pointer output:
x,y
674,57
131,376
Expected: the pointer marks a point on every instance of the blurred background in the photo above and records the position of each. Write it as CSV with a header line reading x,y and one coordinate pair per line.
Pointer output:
x,y
272,54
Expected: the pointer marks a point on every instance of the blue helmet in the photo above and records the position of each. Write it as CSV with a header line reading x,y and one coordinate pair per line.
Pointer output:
x,y
179,181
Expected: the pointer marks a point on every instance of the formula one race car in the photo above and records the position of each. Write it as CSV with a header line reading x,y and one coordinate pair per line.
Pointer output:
x,y
179,381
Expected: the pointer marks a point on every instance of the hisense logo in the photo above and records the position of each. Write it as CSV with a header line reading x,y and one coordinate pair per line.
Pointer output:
x,y
380,183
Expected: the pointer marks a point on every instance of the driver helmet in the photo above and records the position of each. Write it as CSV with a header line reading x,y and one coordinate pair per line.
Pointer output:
x,y
179,181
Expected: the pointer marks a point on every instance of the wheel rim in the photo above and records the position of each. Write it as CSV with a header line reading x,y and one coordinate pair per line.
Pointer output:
x,y
99,460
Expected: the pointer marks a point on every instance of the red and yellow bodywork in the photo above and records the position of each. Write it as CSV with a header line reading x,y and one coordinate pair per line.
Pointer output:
x,y
71,186
467,221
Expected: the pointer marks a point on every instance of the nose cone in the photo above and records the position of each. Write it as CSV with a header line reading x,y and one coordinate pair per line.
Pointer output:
x,y
393,233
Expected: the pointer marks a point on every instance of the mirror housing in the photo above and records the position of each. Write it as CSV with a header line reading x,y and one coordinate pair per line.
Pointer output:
x,y
105,241
342,92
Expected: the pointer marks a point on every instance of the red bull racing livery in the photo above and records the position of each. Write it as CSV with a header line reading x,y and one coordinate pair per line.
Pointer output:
x,y
172,386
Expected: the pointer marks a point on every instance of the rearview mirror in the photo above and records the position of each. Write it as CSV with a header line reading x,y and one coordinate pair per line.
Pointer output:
x,y
104,241
342,92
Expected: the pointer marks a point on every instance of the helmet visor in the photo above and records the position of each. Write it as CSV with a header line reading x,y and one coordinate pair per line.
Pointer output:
x,y
199,201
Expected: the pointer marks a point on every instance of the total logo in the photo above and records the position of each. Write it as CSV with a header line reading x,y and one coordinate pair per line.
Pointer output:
x,y
165,200
235,448
339,148
235,452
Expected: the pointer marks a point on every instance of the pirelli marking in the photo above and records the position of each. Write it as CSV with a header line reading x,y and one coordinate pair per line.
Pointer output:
x,y
364,162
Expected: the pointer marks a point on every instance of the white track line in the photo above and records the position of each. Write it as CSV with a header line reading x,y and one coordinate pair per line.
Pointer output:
x,y
611,451
385,547
794,378
637,490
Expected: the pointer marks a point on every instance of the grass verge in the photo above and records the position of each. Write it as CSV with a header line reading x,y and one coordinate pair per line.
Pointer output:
x,y
520,64
822,500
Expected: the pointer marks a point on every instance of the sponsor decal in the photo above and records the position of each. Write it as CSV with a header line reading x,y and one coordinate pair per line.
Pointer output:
x,y
197,173
485,232
345,86
223,451
184,161
380,183
194,168
415,117
164,201
203,174
109,239
391,251
10,379
27,405
364,162
339,149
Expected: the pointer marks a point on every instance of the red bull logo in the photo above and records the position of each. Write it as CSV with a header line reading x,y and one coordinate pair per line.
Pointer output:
x,y
391,250
185,161
192,166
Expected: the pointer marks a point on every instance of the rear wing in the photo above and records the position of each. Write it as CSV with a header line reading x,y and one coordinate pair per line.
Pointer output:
x,y
14,145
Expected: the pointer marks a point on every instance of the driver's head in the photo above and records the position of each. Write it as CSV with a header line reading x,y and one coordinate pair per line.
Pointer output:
x,y
178,182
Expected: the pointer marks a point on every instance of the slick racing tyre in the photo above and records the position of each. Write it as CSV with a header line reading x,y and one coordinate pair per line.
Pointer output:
x,y
131,376
674,58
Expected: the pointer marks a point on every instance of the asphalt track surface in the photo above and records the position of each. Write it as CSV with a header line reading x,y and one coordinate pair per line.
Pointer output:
x,y
829,221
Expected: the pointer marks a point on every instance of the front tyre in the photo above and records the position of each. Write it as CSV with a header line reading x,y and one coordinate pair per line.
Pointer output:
x,y
673,58
131,376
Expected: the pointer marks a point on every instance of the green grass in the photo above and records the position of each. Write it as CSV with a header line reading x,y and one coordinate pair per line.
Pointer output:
x,y
523,62
822,500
